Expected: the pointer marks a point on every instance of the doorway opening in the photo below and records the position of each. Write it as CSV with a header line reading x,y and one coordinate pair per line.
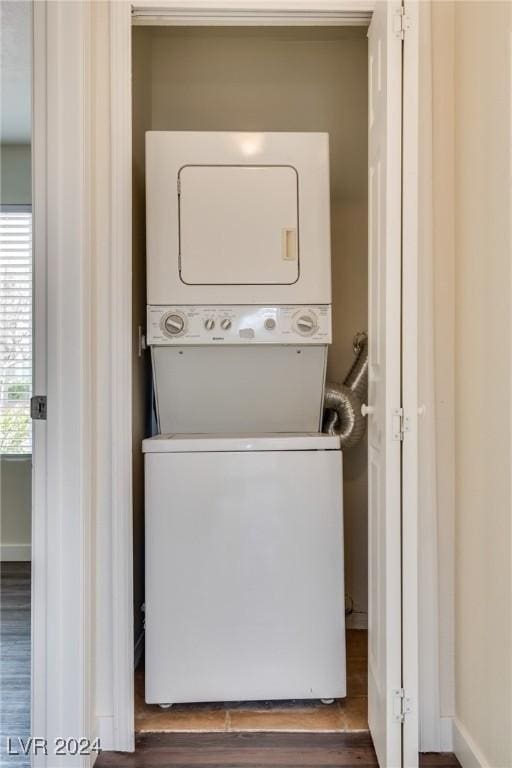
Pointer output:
x,y
264,79
16,326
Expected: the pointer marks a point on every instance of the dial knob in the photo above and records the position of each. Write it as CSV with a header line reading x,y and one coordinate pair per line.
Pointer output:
x,y
209,324
174,324
306,324
225,324
270,323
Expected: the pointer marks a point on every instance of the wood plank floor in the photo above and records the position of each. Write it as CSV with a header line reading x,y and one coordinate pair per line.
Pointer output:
x,y
251,750
172,750
14,658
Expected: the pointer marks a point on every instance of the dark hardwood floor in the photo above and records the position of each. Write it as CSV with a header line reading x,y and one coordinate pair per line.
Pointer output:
x,y
172,750
14,658
257,750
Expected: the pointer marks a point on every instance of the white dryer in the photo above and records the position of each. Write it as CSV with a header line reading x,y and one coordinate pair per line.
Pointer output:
x,y
237,218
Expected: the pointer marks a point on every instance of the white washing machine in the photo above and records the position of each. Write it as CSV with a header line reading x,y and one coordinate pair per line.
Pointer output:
x,y
244,568
244,534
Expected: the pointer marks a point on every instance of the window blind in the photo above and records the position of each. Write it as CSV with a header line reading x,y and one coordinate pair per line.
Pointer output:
x,y
15,331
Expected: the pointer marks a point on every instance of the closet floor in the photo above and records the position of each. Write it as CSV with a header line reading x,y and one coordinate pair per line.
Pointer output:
x,y
349,714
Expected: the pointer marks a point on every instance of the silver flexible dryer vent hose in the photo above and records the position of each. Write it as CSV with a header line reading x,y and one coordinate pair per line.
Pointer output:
x,y
342,402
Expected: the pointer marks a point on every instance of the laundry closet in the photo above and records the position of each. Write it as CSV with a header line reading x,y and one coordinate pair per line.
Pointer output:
x,y
254,82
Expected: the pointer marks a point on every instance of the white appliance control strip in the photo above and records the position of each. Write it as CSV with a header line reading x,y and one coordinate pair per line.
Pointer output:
x,y
289,324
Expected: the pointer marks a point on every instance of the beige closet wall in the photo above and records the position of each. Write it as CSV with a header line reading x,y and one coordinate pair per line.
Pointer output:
x,y
283,80
472,240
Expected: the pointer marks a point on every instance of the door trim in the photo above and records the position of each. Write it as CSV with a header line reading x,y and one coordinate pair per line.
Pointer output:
x,y
39,660
120,399
410,249
122,15
256,13
420,491
62,565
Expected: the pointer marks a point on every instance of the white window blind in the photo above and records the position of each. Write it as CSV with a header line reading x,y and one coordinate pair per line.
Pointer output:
x,y
15,330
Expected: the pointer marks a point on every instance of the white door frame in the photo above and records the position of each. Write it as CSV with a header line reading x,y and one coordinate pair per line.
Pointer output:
x,y
410,250
121,498
62,566
64,570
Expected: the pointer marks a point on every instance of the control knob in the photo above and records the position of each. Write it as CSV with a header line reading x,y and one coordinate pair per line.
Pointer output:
x,y
225,324
306,325
209,324
174,324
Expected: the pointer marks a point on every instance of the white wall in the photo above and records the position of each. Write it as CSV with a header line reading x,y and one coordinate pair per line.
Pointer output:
x,y
483,355
472,258
279,79
15,472
15,505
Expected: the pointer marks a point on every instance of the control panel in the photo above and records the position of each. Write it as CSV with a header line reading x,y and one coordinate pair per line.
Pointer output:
x,y
290,324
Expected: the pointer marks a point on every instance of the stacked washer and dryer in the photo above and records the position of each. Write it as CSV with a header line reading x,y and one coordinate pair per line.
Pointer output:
x,y
244,517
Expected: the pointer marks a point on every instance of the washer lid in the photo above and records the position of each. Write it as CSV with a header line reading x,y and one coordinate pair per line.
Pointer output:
x,y
277,441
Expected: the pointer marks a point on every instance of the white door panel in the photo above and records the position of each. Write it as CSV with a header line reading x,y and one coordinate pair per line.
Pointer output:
x,y
238,225
384,578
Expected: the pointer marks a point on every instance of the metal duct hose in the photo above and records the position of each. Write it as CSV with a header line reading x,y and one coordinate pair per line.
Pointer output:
x,y
342,402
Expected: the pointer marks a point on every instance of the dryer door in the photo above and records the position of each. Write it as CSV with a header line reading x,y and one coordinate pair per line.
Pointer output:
x,y
238,225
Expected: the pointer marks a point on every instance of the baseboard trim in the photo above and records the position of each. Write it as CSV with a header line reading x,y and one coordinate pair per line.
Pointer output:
x,y
446,734
466,751
11,553
138,649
